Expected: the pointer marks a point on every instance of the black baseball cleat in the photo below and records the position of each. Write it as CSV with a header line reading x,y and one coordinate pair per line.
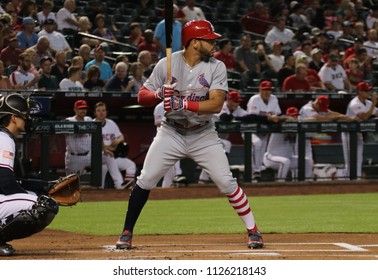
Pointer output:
x,y
6,250
255,240
124,240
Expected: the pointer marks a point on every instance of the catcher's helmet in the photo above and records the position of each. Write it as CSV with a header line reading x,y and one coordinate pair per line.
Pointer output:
x,y
198,29
14,104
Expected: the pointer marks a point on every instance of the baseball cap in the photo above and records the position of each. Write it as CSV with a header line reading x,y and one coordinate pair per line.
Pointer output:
x,y
315,31
81,104
234,96
323,102
49,21
347,23
266,85
27,20
292,111
315,51
363,86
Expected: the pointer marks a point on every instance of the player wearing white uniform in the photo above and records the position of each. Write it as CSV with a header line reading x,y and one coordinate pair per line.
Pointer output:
x,y
22,213
318,110
175,173
78,146
263,104
198,91
281,154
361,108
231,109
111,137
333,75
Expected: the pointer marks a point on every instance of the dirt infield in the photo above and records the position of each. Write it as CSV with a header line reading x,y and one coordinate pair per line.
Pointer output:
x,y
62,245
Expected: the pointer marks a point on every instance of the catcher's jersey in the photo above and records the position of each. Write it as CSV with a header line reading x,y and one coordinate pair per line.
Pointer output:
x,y
356,107
257,106
78,143
110,132
7,151
193,84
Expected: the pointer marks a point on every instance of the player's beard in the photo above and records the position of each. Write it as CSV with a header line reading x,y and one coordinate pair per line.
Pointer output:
x,y
205,54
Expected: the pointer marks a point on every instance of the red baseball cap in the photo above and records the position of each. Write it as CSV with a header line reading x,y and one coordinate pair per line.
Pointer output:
x,y
363,86
234,96
323,102
81,104
266,85
292,111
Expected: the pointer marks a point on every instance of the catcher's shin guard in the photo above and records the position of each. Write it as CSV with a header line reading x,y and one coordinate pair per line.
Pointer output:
x,y
29,222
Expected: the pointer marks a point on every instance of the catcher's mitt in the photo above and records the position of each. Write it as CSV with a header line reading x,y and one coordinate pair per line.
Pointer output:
x,y
66,190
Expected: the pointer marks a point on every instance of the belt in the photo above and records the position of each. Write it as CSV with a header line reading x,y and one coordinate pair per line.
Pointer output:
x,y
179,125
79,154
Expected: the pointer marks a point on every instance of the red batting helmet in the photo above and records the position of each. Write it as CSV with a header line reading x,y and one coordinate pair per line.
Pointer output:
x,y
198,29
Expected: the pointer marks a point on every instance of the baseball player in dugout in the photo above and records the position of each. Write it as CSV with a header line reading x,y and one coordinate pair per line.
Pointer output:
x,y
198,90
111,138
25,209
78,146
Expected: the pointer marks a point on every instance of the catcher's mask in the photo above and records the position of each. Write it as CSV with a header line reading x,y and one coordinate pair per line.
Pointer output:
x,y
16,104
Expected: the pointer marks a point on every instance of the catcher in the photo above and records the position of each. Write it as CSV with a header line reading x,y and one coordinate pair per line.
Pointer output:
x,y
27,206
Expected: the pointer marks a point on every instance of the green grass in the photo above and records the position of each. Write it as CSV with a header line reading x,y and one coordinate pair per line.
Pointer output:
x,y
352,213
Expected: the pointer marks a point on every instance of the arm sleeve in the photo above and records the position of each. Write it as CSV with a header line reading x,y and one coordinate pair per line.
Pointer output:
x,y
147,98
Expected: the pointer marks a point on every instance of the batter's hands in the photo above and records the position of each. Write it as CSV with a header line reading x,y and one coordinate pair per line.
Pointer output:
x,y
165,91
174,103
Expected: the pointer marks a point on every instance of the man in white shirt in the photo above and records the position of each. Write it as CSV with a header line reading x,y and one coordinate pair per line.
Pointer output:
x,y
57,40
72,83
65,17
333,75
192,12
371,45
280,33
21,78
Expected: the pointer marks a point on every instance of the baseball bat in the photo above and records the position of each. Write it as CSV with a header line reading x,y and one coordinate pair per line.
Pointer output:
x,y
168,37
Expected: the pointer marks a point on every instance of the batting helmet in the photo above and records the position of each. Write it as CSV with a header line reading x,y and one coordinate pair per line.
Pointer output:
x,y
14,104
198,29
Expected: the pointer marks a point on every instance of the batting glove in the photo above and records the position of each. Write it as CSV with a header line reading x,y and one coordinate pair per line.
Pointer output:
x,y
174,103
165,91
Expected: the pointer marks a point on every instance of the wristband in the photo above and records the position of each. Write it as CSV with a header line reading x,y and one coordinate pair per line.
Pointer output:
x,y
191,106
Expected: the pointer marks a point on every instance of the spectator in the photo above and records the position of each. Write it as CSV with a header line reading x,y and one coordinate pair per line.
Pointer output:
x,y
101,30
361,107
41,50
119,81
78,146
358,44
32,54
276,58
298,18
57,40
111,138
225,53
317,59
280,33
121,58
72,83
136,75
99,60
262,104
247,61
145,58
333,75
65,18
27,37
46,12
136,35
47,81
312,76
347,35
297,82
11,53
85,53
4,80
267,71
192,12
149,45
28,9
60,67
371,44
336,29
79,62
354,74
372,18
22,78
281,153
304,50
258,20
93,81
159,35
84,27
287,69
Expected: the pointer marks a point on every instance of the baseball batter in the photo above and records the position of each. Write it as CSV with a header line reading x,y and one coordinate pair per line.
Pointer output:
x,y
198,91
263,104
78,146
281,153
362,108
22,213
